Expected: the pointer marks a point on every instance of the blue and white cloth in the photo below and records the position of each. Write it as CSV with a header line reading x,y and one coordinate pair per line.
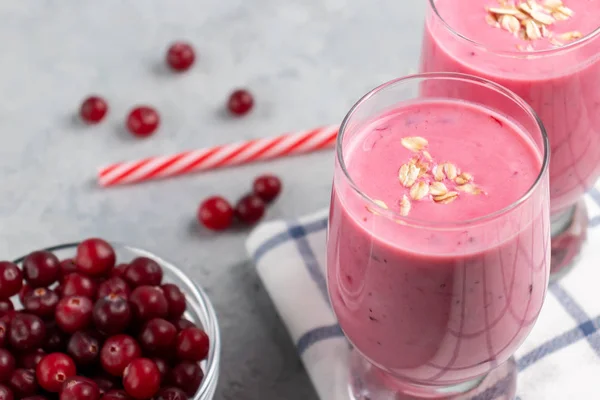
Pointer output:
x,y
559,360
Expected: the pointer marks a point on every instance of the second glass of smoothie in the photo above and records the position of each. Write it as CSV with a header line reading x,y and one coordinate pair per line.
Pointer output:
x,y
439,237
548,53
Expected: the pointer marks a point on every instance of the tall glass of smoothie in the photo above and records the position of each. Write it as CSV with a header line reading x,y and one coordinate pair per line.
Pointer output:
x,y
438,249
548,53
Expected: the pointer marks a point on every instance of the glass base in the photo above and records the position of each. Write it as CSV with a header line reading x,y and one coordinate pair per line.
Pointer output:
x,y
367,382
569,232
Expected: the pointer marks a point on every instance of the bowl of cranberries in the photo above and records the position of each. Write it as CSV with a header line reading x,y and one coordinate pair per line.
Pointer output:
x,y
104,321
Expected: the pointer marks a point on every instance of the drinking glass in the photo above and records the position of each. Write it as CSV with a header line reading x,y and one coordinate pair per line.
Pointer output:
x,y
425,321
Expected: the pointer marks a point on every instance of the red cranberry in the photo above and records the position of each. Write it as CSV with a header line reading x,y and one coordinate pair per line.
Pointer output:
x,y
56,340
11,279
95,257
240,102
163,368
143,271
84,348
192,344
118,351
187,376
79,388
5,306
67,267
32,359
23,383
142,121
6,393
53,370
267,187
78,285
171,393
41,269
215,213
41,302
93,109
7,365
119,271
183,323
175,299
180,56
74,313
250,209
113,285
116,395
26,332
112,314
148,302
141,379
158,337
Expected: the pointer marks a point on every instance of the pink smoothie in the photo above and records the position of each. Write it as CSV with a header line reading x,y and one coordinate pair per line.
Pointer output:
x,y
562,84
438,301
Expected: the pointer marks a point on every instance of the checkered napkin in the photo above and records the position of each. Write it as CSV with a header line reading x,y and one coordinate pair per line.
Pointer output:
x,y
559,360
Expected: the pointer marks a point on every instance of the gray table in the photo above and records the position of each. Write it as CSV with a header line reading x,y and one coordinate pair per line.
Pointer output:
x,y
306,61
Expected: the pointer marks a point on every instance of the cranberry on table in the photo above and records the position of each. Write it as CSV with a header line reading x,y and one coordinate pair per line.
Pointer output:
x,y
116,394
267,187
141,379
183,323
171,393
114,285
84,348
11,279
79,388
240,102
7,365
119,270
23,383
67,267
77,284
24,291
53,370
250,209
74,313
112,314
32,359
192,344
158,337
26,332
6,305
41,302
180,56
143,271
93,109
215,213
187,376
117,352
142,121
148,302
95,257
41,269
175,299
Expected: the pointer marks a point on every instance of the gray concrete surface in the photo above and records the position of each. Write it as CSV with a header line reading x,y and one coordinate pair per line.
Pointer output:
x,y
306,61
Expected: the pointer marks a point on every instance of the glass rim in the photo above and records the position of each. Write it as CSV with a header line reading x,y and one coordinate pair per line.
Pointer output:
x,y
516,53
445,76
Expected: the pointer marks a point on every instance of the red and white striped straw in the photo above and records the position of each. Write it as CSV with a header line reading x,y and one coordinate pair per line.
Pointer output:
x,y
161,167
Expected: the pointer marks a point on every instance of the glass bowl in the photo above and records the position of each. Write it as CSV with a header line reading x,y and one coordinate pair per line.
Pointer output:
x,y
199,308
